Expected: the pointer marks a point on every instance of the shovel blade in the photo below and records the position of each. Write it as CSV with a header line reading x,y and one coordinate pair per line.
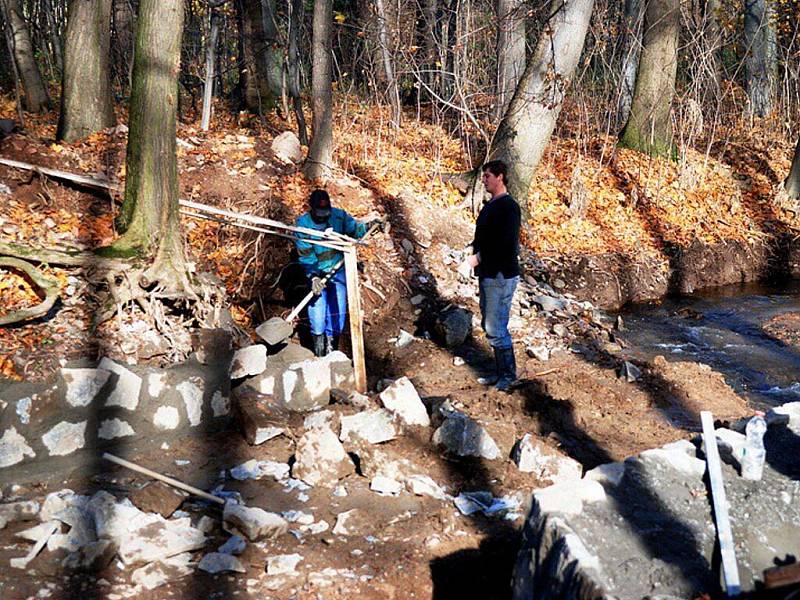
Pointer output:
x,y
275,331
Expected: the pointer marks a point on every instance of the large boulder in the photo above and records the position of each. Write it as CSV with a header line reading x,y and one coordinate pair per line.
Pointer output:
x,y
402,399
454,326
287,149
463,436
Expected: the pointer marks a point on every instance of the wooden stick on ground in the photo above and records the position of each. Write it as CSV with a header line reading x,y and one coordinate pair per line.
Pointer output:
x,y
168,480
730,570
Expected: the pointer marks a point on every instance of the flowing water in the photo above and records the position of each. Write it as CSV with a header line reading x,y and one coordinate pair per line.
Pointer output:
x,y
723,329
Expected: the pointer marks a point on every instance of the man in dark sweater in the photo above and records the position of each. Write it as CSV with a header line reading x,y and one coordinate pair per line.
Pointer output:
x,y
495,260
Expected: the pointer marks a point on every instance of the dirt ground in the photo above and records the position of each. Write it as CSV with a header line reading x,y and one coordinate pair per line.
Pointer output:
x,y
413,547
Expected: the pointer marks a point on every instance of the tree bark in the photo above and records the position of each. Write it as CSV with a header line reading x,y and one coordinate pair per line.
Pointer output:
x,y
510,51
293,68
122,48
149,214
320,154
525,129
261,63
631,52
761,55
792,183
208,89
86,105
36,99
649,128
388,64
55,39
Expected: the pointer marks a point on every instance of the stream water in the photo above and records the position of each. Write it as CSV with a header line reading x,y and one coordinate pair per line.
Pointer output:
x,y
723,329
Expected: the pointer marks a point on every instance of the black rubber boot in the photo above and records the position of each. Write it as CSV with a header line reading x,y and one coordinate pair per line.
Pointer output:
x,y
319,344
507,368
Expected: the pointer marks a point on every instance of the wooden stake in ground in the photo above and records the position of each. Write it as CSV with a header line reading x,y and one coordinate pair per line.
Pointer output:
x,y
356,318
729,568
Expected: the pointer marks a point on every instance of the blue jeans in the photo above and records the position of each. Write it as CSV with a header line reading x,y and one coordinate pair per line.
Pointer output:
x,y
328,311
495,296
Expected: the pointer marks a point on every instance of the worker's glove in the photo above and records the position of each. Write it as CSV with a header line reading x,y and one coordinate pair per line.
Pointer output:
x,y
317,285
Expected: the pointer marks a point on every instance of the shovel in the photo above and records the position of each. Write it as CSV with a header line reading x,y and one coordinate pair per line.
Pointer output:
x,y
278,329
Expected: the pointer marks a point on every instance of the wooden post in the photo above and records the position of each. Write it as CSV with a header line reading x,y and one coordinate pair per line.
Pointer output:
x,y
356,320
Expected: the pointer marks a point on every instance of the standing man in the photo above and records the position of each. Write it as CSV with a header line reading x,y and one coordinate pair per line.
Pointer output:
x,y
495,260
328,311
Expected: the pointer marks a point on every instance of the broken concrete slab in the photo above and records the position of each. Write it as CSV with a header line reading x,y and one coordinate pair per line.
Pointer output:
x,y
127,387
248,361
254,523
320,458
158,497
373,426
402,399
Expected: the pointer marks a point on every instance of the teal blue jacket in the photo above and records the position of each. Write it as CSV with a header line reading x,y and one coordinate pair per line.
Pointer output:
x,y
318,260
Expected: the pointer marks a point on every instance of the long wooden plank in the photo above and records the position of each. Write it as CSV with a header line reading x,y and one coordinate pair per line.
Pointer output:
x,y
356,318
730,569
82,179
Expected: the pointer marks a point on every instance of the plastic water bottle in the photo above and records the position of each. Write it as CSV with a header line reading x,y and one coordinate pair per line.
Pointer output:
x,y
754,453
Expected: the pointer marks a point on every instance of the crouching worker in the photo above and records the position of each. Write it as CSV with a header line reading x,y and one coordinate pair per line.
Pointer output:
x,y
327,312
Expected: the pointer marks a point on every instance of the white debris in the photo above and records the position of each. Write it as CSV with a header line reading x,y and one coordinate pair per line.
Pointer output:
x,y
423,485
385,486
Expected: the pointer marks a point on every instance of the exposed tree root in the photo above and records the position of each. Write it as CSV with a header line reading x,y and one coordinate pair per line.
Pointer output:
x,y
47,287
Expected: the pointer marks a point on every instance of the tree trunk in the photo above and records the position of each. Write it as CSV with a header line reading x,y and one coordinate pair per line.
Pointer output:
x,y
631,51
792,183
649,128
510,51
525,129
260,64
431,35
211,49
149,214
714,40
388,66
293,68
86,105
36,99
761,55
320,154
55,40
122,48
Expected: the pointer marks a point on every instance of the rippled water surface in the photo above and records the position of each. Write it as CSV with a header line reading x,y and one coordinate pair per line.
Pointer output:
x,y
723,329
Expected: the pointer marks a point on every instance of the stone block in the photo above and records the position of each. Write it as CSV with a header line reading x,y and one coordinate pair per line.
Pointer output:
x,y
402,399
191,391
248,361
546,464
82,385
609,473
127,387
256,422
305,386
13,448
320,458
286,148
158,497
114,428
166,418
218,562
158,541
64,438
94,556
454,326
463,436
568,498
253,523
343,376
373,426
283,564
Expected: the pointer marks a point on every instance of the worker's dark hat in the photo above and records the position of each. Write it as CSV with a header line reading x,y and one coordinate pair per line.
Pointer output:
x,y
320,205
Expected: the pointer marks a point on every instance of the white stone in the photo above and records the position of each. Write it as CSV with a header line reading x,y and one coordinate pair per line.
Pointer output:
x,y
463,436
13,448
544,463
298,516
351,522
83,384
286,148
34,534
166,417
64,438
220,405
610,473
306,385
248,361
24,510
158,541
385,486
162,572
373,426
732,440
283,564
129,384
218,562
57,501
791,410
156,382
24,410
266,433
568,498
247,470
192,396
320,418
402,399
423,485
677,456
343,376
114,428
254,523
320,458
